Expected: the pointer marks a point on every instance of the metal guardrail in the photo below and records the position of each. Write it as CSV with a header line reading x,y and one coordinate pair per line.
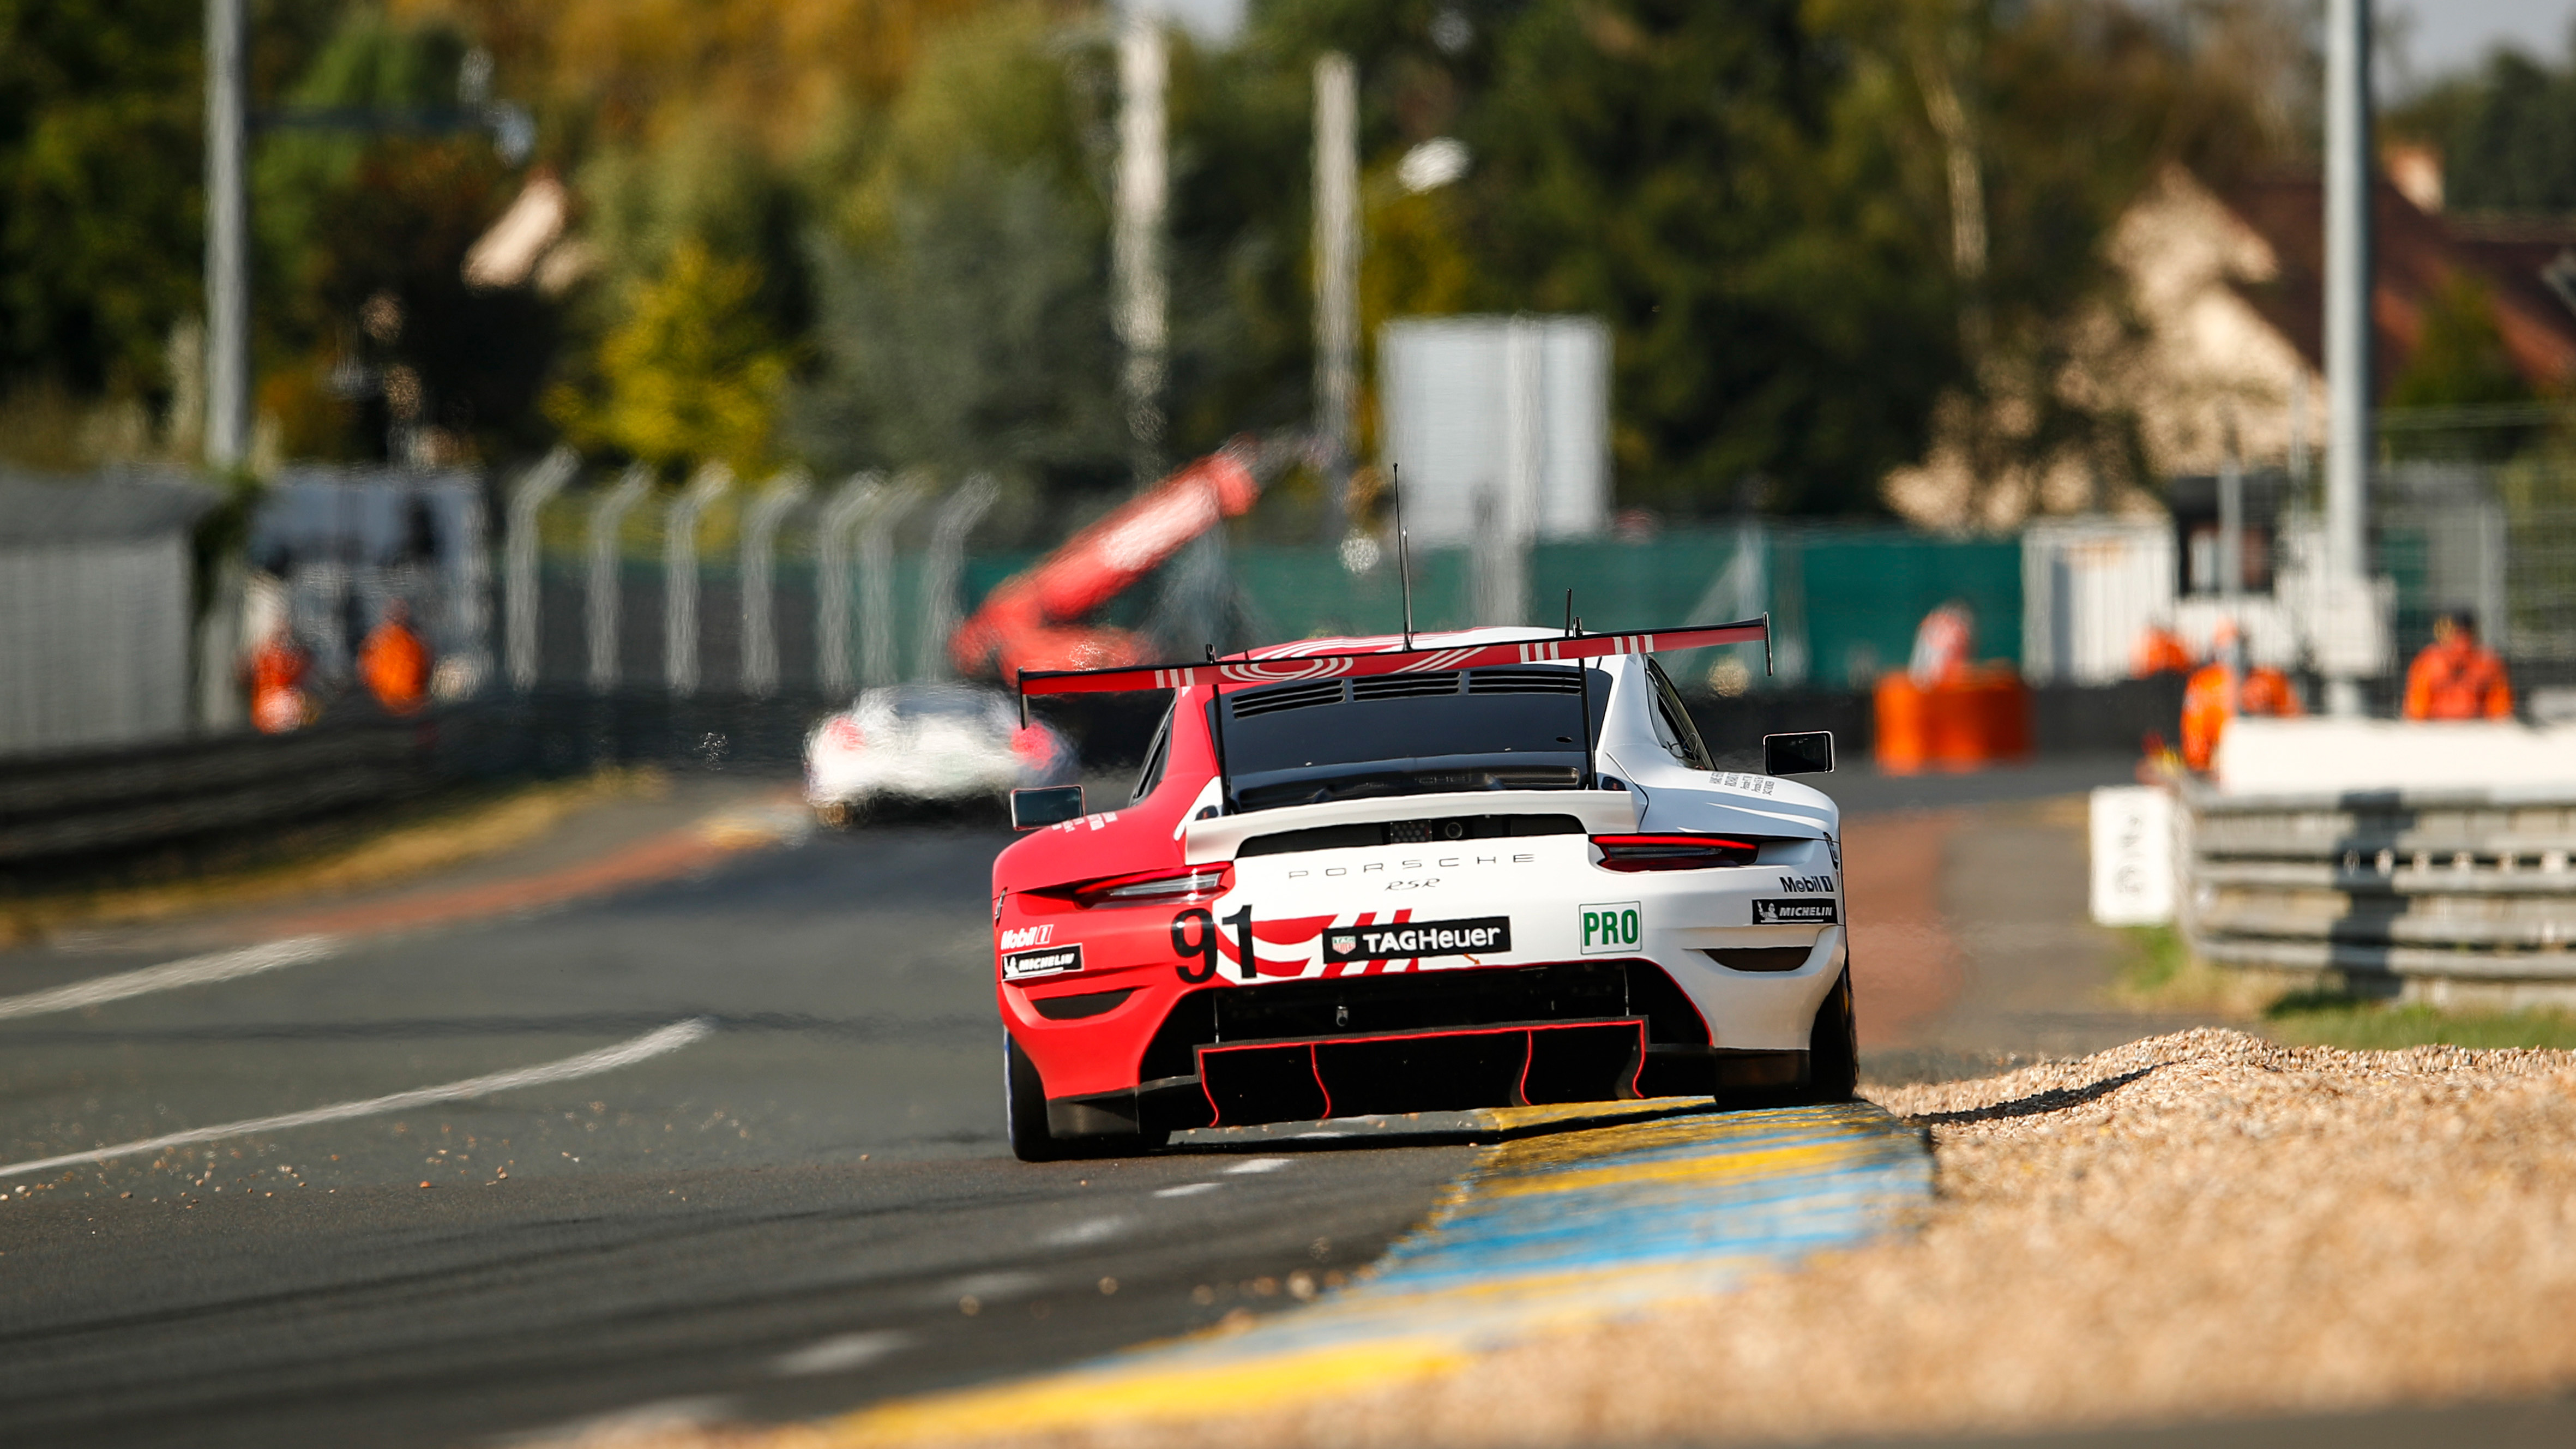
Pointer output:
x,y
2389,890
73,811
55,806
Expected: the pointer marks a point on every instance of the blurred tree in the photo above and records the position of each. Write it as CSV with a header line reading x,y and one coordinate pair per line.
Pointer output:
x,y
375,345
693,373
2459,358
2507,134
2016,135
2460,361
962,276
100,109
101,246
725,123
1653,162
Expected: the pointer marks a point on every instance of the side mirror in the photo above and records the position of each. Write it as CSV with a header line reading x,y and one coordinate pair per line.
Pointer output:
x,y
1054,805
1805,754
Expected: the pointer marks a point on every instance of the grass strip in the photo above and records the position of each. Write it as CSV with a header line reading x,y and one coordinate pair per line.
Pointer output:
x,y
2317,1018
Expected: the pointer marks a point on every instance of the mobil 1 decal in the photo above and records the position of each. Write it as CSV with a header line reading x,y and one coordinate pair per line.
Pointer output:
x,y
1406,940
1613,928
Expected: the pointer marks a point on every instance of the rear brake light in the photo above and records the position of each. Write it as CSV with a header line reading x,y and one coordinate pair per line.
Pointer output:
x,y
842,734
1156,887
1672,852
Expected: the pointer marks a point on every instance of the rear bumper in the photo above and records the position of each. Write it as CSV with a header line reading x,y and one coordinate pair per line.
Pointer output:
x,y
1451,1041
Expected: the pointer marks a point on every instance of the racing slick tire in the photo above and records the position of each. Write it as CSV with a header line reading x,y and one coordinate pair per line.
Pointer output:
x,y
1833,1047
1024,1110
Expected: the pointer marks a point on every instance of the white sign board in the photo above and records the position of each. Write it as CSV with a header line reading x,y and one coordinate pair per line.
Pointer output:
x,y
2133,856
1501,424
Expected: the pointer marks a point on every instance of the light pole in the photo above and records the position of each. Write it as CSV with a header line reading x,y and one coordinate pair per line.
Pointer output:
x,y
1143,185
227,241
1337,246
2348,339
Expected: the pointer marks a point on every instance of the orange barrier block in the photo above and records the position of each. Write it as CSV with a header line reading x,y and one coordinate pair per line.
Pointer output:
x,y
1977,719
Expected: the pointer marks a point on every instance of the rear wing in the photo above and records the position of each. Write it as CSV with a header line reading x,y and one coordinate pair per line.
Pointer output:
x,y
1288,668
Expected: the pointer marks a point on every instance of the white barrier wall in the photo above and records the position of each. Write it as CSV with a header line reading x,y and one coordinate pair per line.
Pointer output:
x,y
2341,756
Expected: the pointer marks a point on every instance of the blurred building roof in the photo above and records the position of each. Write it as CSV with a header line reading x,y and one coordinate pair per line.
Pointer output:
x,y
38,508
2526,264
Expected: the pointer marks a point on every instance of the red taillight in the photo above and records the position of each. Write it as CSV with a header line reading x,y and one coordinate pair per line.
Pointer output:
x,y
1673,852
845,735
1153,887
1033,744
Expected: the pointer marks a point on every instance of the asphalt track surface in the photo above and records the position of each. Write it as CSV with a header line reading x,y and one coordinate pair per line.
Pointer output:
x,y
788,1212
805,1205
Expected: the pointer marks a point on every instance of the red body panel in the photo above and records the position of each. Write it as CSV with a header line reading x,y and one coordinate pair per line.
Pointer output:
x,y
1124,946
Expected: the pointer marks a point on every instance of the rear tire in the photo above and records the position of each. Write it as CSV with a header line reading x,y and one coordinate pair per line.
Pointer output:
x,y
1024,1112
1833,1046
1024,1108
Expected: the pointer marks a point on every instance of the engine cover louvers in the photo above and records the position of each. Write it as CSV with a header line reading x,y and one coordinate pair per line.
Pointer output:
x,y
1524,681
1557,679
1287,696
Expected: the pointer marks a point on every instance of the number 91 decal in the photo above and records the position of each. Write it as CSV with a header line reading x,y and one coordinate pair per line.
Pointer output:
x,y
1195,934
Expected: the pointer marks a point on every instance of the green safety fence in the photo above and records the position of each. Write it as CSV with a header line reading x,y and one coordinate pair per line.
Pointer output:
x,y
1844,601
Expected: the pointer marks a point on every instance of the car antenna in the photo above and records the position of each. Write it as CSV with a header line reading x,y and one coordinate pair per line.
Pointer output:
x,y
1403,550
1569,613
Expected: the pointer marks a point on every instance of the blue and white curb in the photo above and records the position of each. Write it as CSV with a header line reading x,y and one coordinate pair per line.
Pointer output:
x,y
1550,1232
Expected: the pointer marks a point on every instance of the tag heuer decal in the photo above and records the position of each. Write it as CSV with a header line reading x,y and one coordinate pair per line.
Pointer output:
x,y
1401,940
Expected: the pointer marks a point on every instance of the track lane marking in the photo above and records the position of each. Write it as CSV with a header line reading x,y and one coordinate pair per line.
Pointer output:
x,y
1086,1232
840,1353
1258,1164
588,1064
1187,1189
190,971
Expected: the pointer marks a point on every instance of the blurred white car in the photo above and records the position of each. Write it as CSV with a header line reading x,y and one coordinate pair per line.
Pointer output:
x,y
933,743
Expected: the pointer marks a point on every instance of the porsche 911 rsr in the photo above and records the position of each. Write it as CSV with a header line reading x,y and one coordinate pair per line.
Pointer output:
x,y
1487,868
928,743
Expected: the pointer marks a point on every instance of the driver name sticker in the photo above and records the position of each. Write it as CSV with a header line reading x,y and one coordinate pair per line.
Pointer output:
x,y
1613,928
1404,940
1019,965
1814,911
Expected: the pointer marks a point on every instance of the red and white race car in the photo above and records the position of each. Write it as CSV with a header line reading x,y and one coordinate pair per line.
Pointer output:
x,y
1487,868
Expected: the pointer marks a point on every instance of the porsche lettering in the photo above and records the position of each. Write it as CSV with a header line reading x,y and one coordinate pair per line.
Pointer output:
x,y
1446,862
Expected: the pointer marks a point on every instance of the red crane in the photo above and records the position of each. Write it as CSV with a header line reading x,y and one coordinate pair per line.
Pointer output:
x,y
1032,620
